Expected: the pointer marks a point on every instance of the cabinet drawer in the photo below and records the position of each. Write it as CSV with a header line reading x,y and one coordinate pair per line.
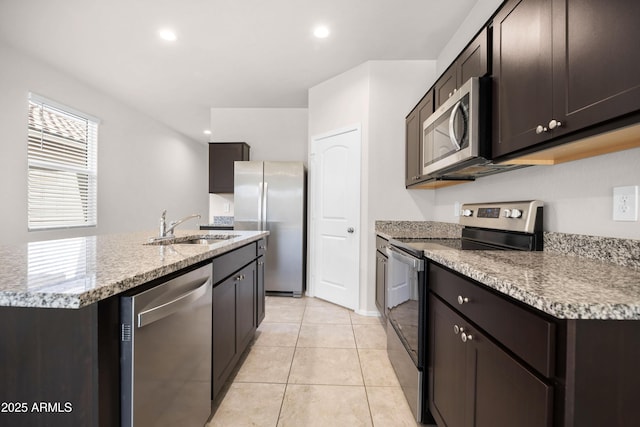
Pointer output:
x,y
227,264
381,243
528,335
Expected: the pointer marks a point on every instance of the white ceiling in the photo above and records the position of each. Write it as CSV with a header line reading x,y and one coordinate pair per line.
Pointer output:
x,y
229,53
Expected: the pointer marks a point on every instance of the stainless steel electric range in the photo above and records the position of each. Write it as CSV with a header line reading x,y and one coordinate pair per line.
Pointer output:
x,y
487,226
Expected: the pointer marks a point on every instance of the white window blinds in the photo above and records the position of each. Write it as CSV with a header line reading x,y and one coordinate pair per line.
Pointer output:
x,y
62,153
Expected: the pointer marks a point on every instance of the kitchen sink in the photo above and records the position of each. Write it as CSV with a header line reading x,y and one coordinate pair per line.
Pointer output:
x,y
200,241
203,239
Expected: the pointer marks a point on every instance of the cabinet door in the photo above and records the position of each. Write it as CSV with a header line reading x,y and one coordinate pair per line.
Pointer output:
x,y
260,295
245,281
473,61
445,86
522,74
381,273
412,148
221,158
596,63
447,363
476,383
224,332
506,393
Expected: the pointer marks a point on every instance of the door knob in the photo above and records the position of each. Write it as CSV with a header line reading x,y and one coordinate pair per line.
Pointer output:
x,y
350,230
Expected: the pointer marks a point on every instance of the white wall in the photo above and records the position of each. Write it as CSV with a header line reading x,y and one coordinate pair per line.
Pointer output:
x,y
377,95
578,195
278,134
273,133
143,166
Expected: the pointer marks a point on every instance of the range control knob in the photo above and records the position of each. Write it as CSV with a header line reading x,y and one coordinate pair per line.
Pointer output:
x,y
467,212
507,213
516,213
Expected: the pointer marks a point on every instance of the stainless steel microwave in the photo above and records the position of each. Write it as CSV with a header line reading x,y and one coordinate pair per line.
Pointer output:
x,y
452,135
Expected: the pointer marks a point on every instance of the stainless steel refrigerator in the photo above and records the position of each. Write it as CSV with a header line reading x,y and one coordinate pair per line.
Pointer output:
x,y
272,196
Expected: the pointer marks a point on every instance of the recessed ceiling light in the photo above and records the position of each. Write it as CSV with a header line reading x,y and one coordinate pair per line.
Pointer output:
x,y
207,132
321,32
167,34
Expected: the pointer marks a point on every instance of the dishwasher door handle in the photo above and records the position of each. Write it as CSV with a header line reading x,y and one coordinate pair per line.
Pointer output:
x,y
163,310
416,264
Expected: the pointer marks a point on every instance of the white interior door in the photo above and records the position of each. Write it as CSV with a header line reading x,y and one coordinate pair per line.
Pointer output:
x,y
335,217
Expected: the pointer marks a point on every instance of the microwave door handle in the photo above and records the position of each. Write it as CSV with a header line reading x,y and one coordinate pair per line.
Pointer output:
x,y
452,119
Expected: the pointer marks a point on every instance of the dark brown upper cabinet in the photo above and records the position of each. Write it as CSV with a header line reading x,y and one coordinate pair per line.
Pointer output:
x,y
413,151
221,158
560,67
472,62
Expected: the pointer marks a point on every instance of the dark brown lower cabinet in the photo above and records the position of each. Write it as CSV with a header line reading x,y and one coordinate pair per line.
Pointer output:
x,y
234,324
260,295
475,382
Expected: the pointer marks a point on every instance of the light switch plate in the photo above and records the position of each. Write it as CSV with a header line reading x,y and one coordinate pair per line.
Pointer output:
x,y
625,203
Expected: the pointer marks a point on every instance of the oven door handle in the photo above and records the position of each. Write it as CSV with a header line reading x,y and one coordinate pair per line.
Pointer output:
x,y
416,264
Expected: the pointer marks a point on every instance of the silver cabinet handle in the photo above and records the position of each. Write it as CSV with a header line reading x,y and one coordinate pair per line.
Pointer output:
x,y
554,124
350,230
540,129
457,329
239,277
462,300
466,337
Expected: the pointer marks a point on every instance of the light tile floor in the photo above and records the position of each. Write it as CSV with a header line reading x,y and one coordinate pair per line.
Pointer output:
x,y
313,363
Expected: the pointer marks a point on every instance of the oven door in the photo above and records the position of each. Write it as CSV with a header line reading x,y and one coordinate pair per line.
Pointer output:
x,y
406,293
403,299
450,134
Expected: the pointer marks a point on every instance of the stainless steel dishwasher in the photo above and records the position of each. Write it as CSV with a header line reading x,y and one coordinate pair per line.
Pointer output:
x,y
165,352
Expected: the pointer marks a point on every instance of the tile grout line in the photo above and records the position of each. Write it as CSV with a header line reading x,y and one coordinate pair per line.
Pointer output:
x,y
295,348
364,384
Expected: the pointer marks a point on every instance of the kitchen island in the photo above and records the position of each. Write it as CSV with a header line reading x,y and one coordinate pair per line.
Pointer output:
x,y
60,324
556,336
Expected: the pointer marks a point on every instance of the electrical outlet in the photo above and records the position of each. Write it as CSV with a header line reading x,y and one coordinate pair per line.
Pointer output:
x,y
625,203
227,208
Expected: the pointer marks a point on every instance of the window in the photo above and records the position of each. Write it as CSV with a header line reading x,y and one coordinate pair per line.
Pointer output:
x,y
62,153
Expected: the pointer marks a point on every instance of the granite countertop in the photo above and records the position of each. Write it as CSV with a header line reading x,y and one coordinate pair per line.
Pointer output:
x,y
566,281
73,273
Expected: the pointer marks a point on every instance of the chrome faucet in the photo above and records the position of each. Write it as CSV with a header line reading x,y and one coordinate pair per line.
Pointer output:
x,y
168,231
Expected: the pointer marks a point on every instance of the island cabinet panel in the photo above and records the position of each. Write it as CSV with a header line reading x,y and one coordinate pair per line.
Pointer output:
x,y
560,68
50,370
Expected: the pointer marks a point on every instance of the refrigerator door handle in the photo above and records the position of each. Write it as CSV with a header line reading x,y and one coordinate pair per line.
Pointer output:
x,y
260,202
265,197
